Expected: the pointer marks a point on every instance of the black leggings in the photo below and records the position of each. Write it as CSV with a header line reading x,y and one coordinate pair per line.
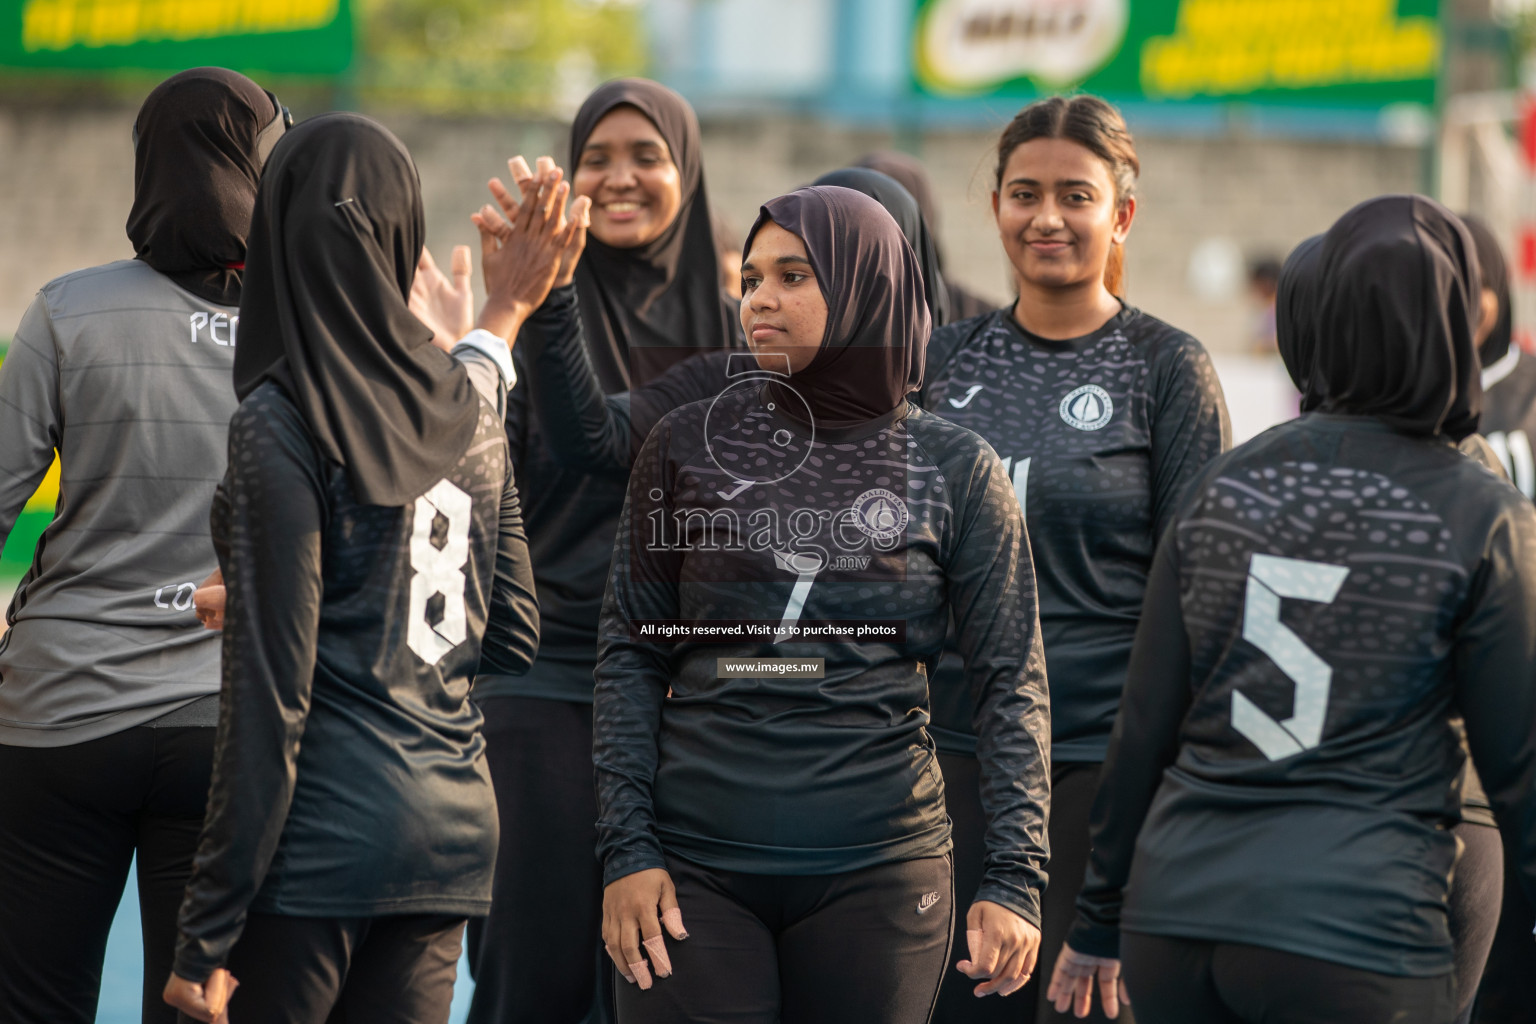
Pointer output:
x,y
1508,993
1184,981
1474,909
1072,789
866,946
356,970
71,820
538,958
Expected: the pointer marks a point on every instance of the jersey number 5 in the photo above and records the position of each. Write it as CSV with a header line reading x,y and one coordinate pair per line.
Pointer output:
x,y
1271,578
438,571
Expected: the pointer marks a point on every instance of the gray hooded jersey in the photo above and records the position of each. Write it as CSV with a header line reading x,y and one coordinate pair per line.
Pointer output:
x,y
128,376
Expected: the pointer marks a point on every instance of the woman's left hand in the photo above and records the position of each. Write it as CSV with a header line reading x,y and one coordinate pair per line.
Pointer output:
x,y
1072,983
1003,948
447,307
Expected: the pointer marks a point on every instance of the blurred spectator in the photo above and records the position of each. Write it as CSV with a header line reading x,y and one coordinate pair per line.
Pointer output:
x,y
909,170
728,242
1263,284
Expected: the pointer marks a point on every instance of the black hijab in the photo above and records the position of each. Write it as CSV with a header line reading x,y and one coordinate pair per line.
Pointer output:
x,y
911,175
871,356
197,159
904,209
1397,289
334,244
1495,277
641,307
1296,314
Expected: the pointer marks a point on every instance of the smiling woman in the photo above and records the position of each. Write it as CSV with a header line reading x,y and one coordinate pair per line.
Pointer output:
x,y
1103,415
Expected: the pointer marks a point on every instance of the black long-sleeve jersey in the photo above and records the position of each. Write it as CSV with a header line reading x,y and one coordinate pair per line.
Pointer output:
x,y
1509,416
572,488
592,432
1102,435
1284,767
350,775
903,520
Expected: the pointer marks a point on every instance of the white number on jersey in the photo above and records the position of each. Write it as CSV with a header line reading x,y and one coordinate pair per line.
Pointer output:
x,y
805,566
1514,450
439,571
1020,481
1271,578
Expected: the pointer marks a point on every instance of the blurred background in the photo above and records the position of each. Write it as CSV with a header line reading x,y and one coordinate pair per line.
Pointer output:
x,y
1257,122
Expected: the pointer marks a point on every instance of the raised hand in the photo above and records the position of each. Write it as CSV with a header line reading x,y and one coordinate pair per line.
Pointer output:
x,y
521,256
446,306
579,216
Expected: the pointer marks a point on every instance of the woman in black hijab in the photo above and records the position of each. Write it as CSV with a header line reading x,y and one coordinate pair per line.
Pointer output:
x,y
781,812
1474,894
913,176
1509,375
192,229
1272,834
369,535
108,685
643,296
601,434
908,214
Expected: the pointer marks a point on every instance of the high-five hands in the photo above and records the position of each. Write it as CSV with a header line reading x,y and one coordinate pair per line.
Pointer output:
x,y
523,254
446,306
207,1002
580,214
1003,948
635,908
1073,979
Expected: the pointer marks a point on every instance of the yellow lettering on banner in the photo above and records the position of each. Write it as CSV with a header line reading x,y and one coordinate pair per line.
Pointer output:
x,y
60,24
1227,47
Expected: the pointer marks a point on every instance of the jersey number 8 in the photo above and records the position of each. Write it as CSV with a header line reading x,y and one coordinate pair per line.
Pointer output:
x,y
439,571
1271,578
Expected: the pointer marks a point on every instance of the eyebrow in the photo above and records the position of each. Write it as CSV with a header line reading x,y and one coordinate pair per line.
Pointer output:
x,y
1070,183
780,262
652,143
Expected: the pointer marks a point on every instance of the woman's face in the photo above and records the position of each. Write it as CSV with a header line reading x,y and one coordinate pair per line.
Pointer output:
x,y
783,311
626,169
1057,215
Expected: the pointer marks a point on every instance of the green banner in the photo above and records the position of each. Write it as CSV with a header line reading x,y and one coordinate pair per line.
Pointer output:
x,y
312,37
1339,53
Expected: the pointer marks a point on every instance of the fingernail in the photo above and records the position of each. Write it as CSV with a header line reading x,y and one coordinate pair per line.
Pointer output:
x,y
657,947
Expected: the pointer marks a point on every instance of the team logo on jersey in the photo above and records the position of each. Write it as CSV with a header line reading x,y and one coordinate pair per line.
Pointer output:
x,y
880,514
1087,408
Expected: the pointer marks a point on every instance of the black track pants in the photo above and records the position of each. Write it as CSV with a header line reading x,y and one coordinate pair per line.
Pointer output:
x,y
71,820
1072,789
358,970
538,958
818,949
1474,908
1508,992
1183,981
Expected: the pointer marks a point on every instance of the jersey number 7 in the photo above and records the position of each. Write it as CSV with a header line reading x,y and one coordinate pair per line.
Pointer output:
x,y
1271,578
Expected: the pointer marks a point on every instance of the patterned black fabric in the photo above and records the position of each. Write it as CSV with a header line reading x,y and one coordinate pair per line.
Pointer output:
x,y
1332,595
908,519
349,777
1102,436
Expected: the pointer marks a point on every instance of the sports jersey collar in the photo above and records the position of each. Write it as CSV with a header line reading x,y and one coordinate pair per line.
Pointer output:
x,y
1119,320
